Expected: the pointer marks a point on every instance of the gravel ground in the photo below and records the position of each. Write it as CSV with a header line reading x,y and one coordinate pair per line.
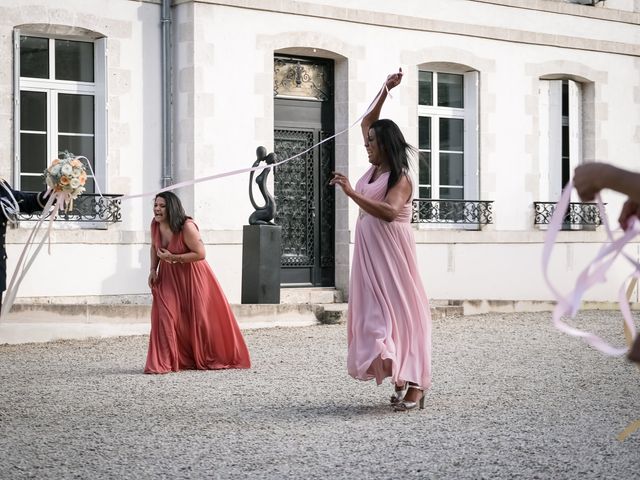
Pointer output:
x,y
512,398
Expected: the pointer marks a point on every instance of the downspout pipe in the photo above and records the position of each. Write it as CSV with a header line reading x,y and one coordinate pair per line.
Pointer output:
x,y
167,157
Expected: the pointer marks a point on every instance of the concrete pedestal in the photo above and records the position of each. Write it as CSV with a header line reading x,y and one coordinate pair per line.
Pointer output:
x,y
261,253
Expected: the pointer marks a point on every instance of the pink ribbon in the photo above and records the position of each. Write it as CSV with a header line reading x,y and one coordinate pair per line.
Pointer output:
x,y
261,167
594,273
61,199
54,203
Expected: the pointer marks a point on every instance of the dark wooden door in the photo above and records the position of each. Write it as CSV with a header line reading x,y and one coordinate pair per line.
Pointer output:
x,y
305,201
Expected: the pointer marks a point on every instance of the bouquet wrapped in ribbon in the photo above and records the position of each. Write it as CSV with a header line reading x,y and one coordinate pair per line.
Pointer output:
x,y
66,176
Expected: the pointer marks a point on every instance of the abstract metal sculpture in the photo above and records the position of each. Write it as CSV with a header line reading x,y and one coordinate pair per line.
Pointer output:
x,y
263,215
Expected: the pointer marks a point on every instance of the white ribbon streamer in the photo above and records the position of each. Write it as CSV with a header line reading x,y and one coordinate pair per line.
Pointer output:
x,y
25,261
594,273
261,167
23,264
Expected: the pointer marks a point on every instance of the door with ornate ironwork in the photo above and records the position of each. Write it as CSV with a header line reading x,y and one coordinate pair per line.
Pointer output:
x,y
305,202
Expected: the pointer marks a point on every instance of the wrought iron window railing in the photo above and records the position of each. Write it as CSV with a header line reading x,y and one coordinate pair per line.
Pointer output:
x,y
466,212
88,207
578,215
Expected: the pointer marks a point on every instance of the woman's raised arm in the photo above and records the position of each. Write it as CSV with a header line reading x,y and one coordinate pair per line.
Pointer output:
x,y
392,81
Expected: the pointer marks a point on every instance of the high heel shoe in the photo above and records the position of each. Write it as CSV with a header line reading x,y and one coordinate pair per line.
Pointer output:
x,y
405,405
398,393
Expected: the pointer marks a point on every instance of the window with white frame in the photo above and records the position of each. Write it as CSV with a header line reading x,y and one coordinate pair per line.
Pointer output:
x,y
60,105
560,134
447,135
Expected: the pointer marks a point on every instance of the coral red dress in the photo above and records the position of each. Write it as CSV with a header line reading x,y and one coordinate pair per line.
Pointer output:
x,y
192,325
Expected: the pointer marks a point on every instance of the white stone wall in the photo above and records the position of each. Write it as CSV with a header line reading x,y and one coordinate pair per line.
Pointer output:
x,y
98,262
223,94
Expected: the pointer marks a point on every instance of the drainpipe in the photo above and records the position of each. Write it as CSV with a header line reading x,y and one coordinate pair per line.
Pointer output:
x,y
167,163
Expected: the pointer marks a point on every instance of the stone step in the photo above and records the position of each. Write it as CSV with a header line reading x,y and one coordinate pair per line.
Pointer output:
x,y
47,322
444,311
311,295
334,314
337,313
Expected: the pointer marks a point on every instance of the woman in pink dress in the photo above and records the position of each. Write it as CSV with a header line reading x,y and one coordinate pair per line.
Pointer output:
x,y
192,325
389,321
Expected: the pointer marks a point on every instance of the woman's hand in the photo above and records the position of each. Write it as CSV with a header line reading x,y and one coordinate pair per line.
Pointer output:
x,y
343,182
590,178
166,255
629,210
153,277
394,79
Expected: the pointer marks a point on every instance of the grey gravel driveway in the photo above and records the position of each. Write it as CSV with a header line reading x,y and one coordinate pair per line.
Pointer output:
x,y
512,398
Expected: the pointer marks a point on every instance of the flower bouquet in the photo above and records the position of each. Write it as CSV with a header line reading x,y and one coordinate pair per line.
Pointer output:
x,y
66,175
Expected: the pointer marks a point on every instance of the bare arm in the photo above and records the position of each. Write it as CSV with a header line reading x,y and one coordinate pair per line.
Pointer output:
x,y
153,270
154,260
386,210
393,80
590,178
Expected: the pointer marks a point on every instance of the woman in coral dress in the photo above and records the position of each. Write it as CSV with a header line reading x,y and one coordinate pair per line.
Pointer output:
x,y
389,320
192,325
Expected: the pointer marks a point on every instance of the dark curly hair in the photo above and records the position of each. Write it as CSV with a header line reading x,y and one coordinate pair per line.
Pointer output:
x,y
175,211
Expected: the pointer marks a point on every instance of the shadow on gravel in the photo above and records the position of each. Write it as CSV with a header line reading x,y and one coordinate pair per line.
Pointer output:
x,y
342,411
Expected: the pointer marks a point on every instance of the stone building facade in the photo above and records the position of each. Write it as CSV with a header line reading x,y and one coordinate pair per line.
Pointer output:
x,y
503,98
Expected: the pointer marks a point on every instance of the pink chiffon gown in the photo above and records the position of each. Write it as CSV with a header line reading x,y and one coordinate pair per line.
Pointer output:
x,y
192,325
389,320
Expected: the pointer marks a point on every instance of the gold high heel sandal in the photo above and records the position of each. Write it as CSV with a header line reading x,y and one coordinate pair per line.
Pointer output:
x,y
405,405
398,393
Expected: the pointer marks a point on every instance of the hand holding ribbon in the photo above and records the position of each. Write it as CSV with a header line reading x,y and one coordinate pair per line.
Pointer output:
x,y
594,273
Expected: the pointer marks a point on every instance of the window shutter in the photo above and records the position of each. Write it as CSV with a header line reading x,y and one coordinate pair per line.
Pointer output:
x,y
101,113
16,108
471,135
550,128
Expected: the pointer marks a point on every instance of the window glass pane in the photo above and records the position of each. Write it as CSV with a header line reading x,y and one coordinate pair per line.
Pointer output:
x,y
565,141
450,90
565,98
31,183
448,193
34,57
452,134
79,146
75,113
425,88
33,152
33,111
425,192
424,171
424,133
90,185
74,61
451,169
565,156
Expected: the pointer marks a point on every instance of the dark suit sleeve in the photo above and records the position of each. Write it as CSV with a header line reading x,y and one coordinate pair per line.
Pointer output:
x,y
30,202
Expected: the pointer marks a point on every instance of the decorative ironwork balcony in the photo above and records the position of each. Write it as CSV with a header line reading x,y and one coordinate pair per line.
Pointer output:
x,y
464,212
579,215
88,207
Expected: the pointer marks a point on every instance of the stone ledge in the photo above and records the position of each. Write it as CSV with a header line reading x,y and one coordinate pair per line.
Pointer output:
x,y
479,307
28,323
140,313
